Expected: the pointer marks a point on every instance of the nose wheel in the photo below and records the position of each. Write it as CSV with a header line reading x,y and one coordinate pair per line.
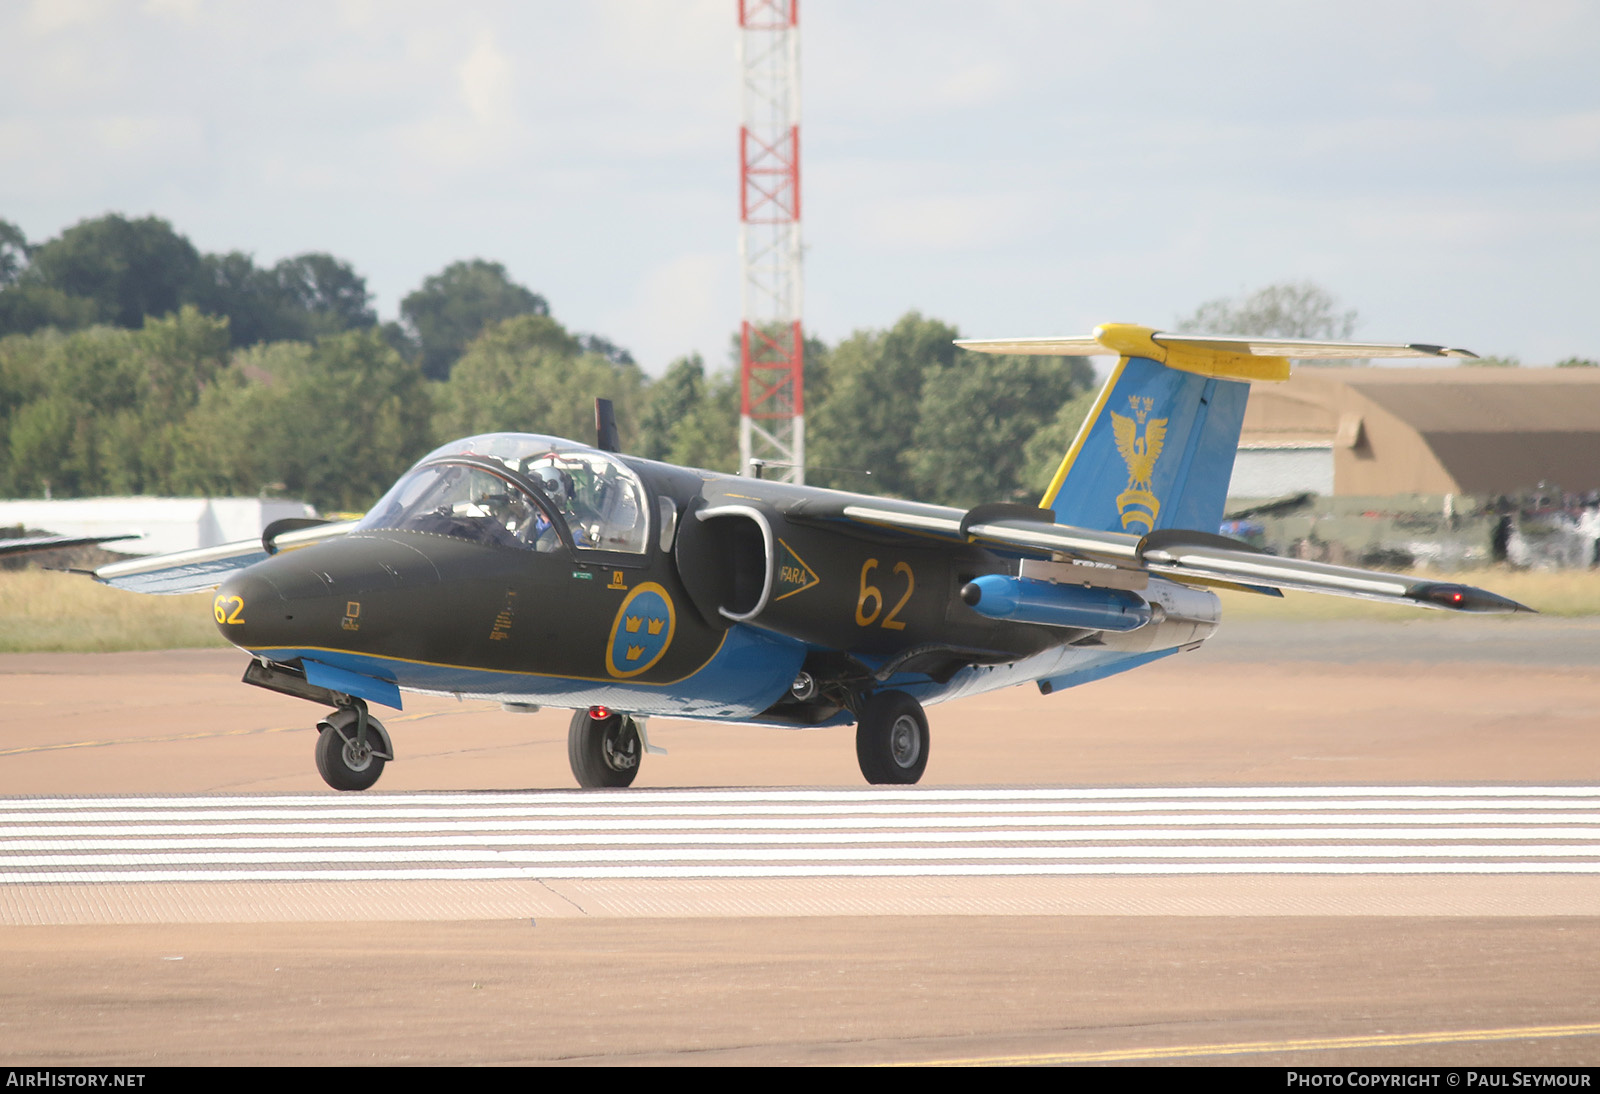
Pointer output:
x,y
352,748
603,748
892,738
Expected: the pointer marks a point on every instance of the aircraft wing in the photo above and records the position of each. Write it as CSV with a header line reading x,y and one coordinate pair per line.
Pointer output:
x,y
1021,529
205,568
1198,558
54,543
1183,556
1206,559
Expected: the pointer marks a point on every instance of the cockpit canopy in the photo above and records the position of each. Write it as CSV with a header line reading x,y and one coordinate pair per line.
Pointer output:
x,y
520,490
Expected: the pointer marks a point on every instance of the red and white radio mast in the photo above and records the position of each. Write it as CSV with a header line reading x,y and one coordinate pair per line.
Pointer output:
x,y
772,429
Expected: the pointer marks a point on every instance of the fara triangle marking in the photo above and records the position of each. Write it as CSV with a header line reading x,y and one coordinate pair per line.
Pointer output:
x,y
794,576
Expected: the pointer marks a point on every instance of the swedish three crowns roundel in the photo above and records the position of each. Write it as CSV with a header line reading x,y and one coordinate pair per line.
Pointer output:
x,y
641,632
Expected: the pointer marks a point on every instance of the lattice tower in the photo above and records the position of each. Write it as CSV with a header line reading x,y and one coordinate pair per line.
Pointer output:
x,y
772,435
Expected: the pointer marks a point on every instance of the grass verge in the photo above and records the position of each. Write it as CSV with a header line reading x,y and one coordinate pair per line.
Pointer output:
x,y
42,611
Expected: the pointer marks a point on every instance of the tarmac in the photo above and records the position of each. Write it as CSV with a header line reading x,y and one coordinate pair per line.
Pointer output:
x,y
1268,969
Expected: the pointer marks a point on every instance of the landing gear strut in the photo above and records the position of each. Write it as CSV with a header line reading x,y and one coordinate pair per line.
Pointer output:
x,y
352,748
603,748
892,738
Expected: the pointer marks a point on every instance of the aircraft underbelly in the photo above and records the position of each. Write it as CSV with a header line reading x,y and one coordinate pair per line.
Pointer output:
x,y
748,673
1189,617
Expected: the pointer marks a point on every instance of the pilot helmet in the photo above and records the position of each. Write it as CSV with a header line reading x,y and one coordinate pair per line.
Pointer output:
x,y
554,484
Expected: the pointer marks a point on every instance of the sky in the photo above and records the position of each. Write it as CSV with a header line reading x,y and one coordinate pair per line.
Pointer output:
x,y
1016,169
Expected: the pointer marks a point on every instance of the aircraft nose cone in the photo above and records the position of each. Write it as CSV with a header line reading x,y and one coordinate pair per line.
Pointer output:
x,y
245,607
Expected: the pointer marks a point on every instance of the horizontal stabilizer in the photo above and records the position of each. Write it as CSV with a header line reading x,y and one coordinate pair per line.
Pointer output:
x,y
1299,348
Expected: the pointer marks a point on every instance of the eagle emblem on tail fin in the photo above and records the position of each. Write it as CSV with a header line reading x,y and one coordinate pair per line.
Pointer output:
x,y
1137,504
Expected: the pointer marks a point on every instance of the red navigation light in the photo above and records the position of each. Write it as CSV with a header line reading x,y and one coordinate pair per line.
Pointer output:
x,y
599,713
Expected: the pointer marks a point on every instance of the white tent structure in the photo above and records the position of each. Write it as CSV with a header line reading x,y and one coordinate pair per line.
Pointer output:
x,y
163,524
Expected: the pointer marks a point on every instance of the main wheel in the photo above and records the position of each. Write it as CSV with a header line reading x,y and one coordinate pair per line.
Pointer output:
x,y
604,751
892,738
344,762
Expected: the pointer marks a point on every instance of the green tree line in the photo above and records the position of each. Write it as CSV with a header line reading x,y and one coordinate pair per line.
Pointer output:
x,y
131,363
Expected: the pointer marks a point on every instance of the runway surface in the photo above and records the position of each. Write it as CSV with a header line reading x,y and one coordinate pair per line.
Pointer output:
x,y
1185,831
1312,844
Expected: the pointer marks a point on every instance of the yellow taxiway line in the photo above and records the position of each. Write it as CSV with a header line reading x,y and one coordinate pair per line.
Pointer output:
x,y
1246,1048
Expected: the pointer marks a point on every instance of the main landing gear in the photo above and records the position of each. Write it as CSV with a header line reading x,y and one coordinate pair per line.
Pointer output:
x,y
892,738
604,748
352,747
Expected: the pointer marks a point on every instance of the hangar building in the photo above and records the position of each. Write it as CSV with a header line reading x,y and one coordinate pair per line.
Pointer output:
x,y
1384,431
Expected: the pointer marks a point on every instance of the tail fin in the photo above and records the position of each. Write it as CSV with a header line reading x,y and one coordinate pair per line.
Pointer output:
x,y
1156,451
1157,448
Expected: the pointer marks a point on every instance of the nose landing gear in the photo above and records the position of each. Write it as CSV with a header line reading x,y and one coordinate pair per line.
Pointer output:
x,y
352,748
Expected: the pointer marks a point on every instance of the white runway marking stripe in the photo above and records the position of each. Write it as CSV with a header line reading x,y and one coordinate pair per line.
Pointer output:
x,y
1247,813
878,835
607,805
1159,869
678,797
753,834
910,819
803,854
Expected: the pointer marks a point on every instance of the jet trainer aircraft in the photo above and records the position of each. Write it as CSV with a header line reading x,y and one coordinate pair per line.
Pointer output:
x,y
537,571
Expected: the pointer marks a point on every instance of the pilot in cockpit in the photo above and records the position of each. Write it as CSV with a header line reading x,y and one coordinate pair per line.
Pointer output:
x,y
557,486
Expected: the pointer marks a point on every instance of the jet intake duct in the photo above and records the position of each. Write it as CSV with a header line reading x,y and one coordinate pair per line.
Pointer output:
x,y
1024,600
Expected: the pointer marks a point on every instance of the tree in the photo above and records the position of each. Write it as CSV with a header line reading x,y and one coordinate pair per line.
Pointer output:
x,y
1578,362
300,299
1044,451
975,420
689,419
868,415
460,302
601,346
1290,309
666,404
324,293
355,418
401,340
27,306
128,268
180,355
73,435
14,252
528,374
228,443
334,423
232,285
103,410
